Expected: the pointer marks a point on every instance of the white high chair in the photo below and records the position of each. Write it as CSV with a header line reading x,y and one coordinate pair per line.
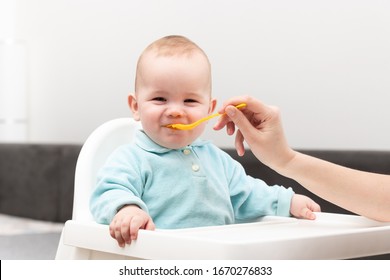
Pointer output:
x,y
99,145
330,236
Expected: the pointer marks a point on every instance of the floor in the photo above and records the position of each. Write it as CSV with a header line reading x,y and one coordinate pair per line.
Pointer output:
x,y
27,239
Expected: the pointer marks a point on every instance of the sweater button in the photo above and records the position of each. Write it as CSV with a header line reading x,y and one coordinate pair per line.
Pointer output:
x,y
186,152
195,167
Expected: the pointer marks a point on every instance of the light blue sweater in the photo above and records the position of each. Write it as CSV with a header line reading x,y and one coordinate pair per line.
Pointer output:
x,y
199,185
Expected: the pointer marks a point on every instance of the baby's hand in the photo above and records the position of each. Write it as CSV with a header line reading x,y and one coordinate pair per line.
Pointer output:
x,y
126,223
303,207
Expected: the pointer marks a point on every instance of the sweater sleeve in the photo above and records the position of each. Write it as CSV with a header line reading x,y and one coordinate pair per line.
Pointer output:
x,y
252,197
119,183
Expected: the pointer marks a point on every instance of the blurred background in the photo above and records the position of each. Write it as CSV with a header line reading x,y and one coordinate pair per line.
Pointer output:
x,y
66,66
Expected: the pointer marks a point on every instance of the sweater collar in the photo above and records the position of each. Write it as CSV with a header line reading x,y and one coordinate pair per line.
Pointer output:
x,y
144,142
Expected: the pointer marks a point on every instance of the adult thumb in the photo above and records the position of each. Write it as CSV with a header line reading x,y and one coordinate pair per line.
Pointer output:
x,y
238,118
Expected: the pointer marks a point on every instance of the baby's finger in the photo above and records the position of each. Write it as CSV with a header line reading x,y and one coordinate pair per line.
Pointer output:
x,y
119,239
125,230
150,225
136,223
112,229
306,213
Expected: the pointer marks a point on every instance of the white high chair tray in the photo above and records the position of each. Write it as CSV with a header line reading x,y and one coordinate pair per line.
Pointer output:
x,y
330,236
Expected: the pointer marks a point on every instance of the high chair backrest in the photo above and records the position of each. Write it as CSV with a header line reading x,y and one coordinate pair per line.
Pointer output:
x,y
98,146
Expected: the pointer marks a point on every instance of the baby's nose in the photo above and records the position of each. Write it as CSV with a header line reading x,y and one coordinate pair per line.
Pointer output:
x,y
176,111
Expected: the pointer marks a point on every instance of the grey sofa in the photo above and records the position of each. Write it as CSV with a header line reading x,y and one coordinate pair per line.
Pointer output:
x,y
36,180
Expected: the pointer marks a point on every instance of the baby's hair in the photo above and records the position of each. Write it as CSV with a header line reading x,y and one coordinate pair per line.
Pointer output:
x,y
172,45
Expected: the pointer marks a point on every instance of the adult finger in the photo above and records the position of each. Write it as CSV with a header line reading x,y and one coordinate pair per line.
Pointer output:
x,y
241,121
239,143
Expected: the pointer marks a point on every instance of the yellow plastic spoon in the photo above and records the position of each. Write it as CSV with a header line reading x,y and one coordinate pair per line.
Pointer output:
x,y
194,124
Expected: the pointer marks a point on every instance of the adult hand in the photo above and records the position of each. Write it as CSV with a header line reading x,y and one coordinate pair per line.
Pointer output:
x,y
260,126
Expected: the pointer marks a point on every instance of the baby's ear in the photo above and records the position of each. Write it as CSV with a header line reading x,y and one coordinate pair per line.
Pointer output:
x,y
213,104
132,101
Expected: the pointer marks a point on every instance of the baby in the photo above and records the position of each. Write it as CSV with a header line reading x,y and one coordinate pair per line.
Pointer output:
x,y
171,178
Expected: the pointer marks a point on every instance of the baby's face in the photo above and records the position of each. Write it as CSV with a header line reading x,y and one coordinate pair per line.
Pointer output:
x,y
173,90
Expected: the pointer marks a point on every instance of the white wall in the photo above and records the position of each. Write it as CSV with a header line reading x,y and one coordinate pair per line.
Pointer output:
x,y
326,64
13,88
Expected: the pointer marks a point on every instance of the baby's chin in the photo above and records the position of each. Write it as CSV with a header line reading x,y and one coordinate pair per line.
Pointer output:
x,y
174,144
175,139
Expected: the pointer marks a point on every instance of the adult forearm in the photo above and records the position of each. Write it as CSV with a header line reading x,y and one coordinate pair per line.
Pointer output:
x,y
364,193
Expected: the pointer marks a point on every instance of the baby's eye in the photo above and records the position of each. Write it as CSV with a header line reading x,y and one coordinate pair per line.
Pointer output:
x,y
190,101
159,99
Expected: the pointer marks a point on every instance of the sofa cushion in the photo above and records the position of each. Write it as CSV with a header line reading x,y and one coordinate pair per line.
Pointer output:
x,y
36,180
371,161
